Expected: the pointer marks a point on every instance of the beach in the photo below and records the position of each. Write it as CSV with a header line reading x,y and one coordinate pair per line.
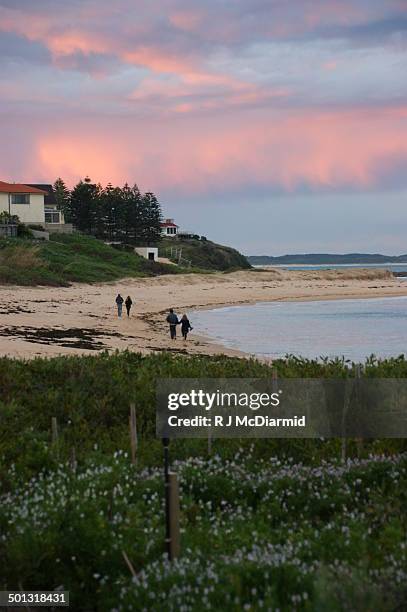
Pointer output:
x,y
82,318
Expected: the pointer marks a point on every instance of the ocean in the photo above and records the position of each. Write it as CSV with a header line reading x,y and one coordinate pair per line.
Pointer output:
x,y
353,328
393,267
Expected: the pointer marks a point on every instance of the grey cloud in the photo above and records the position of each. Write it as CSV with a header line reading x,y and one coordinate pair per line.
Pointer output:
x,y
17,47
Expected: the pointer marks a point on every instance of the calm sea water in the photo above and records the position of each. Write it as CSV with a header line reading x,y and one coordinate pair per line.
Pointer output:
x,y
393,267
352,328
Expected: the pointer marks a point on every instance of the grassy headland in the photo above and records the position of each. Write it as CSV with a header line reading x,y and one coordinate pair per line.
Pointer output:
x,y
70,258
206,254
79,258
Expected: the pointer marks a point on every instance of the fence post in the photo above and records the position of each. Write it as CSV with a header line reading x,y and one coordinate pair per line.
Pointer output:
x,y
174,516
54,435
133,434
274,380
73,461
172,533
54,428
344,441
359,441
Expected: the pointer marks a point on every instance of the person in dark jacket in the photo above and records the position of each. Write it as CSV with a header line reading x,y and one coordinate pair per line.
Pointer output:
x,y
128,304
172,319
185,326
119,302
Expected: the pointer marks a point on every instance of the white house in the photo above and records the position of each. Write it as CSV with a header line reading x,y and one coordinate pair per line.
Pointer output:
x,y
169,229
150,253
54,218
24,201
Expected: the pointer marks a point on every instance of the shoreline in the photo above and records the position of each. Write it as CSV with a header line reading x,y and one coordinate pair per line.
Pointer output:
x,y
218,346
81,319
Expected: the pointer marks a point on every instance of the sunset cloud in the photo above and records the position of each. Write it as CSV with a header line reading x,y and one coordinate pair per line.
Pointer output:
x,y
312,150
209,98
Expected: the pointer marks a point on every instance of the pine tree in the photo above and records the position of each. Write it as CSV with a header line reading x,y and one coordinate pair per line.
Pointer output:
x,y
111,213
131,213
84,203
62,196
151,219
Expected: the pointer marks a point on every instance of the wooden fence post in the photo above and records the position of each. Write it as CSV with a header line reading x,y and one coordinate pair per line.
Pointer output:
x,y
133,434
73,462
274,380
172,531
54,435
359,441
344,441
54,428
175,545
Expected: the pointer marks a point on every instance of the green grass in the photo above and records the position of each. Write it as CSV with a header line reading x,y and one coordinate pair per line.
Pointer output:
x,y
266,524
70,258
206,254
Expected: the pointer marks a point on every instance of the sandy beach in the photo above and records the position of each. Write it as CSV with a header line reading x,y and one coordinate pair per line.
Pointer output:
x,y
49,321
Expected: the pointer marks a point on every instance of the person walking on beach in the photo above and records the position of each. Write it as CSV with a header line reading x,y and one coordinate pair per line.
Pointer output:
x,y
128,304
172,319
185,326
119,302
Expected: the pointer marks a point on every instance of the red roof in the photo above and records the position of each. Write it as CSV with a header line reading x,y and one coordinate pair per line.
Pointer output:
x,y
168,224
19,188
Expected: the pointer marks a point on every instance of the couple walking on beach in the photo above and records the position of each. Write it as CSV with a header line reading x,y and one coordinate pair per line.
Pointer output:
x,y
173,321
127,302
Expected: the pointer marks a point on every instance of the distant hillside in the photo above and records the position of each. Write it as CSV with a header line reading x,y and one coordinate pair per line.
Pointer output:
x,y
205,254
326,259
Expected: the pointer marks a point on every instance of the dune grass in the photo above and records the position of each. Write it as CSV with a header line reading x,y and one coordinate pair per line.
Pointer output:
x,y
21,263
206,254
71,258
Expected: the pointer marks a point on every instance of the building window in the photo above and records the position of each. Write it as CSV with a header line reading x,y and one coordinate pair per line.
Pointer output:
x,y
20,198
52,216
171,230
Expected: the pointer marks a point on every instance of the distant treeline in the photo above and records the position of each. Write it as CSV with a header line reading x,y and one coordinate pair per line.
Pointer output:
x,y
114,213
326,258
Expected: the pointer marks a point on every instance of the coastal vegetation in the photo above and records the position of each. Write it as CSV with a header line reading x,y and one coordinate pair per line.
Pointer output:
x,y
203,254
71,258
265,523
67,258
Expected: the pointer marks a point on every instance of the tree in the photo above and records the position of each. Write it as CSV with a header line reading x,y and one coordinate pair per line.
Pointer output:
x,y
151,219
83,208
62,196
132,213
110,213
115,213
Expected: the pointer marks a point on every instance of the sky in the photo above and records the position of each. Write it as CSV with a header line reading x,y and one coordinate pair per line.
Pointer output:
x,y
270,125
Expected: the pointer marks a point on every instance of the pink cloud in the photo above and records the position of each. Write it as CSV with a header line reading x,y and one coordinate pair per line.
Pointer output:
x,y
323,150
191,146
157,60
